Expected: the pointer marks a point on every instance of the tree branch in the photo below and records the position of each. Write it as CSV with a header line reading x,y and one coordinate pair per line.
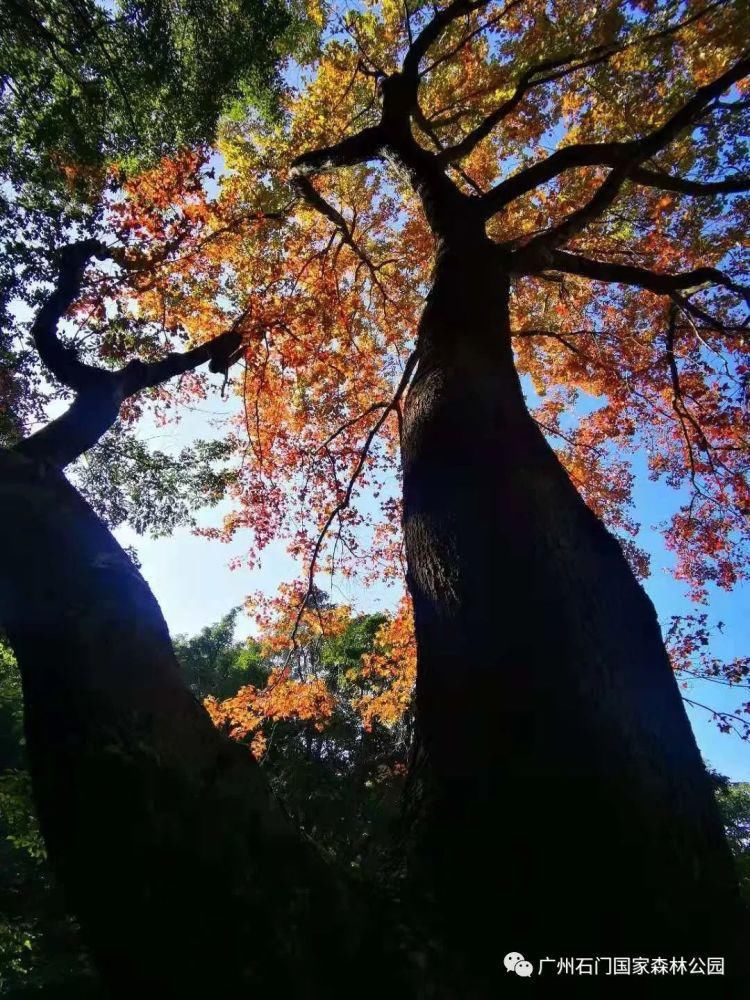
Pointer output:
x,y
560,234
61,361
342,505
425,125
626,274
622,157
678,402
432,31
99,392
605,154
97,406
307,189
524,85
490,23
692,311
724,720
359,148
684,185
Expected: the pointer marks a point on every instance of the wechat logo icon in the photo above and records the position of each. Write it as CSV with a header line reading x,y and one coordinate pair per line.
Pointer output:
x,y
515,962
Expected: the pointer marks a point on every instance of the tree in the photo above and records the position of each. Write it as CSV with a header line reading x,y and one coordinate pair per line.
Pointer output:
x,y
85,84
542,676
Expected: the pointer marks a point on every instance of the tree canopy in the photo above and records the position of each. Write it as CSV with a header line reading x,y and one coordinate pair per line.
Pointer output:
x,y
86,83
631,294
620,218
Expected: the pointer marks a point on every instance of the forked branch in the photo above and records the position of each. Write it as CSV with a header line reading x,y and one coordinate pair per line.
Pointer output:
x,y
556,69
100,392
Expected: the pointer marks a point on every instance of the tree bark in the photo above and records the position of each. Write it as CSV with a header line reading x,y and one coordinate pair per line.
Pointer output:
x,y
561,804
186,874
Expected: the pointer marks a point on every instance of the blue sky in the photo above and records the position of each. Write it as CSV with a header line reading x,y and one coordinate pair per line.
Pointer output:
x,y
726,753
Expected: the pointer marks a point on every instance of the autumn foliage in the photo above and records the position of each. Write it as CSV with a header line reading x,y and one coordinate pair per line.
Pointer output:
x,y
377,688
624,380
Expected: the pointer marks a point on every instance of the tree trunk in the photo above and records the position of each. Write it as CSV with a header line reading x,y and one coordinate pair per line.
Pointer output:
x,y
187,876
562,805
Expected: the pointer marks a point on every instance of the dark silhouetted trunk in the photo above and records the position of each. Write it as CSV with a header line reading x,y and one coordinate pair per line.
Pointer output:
x,y
187,876
562,805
